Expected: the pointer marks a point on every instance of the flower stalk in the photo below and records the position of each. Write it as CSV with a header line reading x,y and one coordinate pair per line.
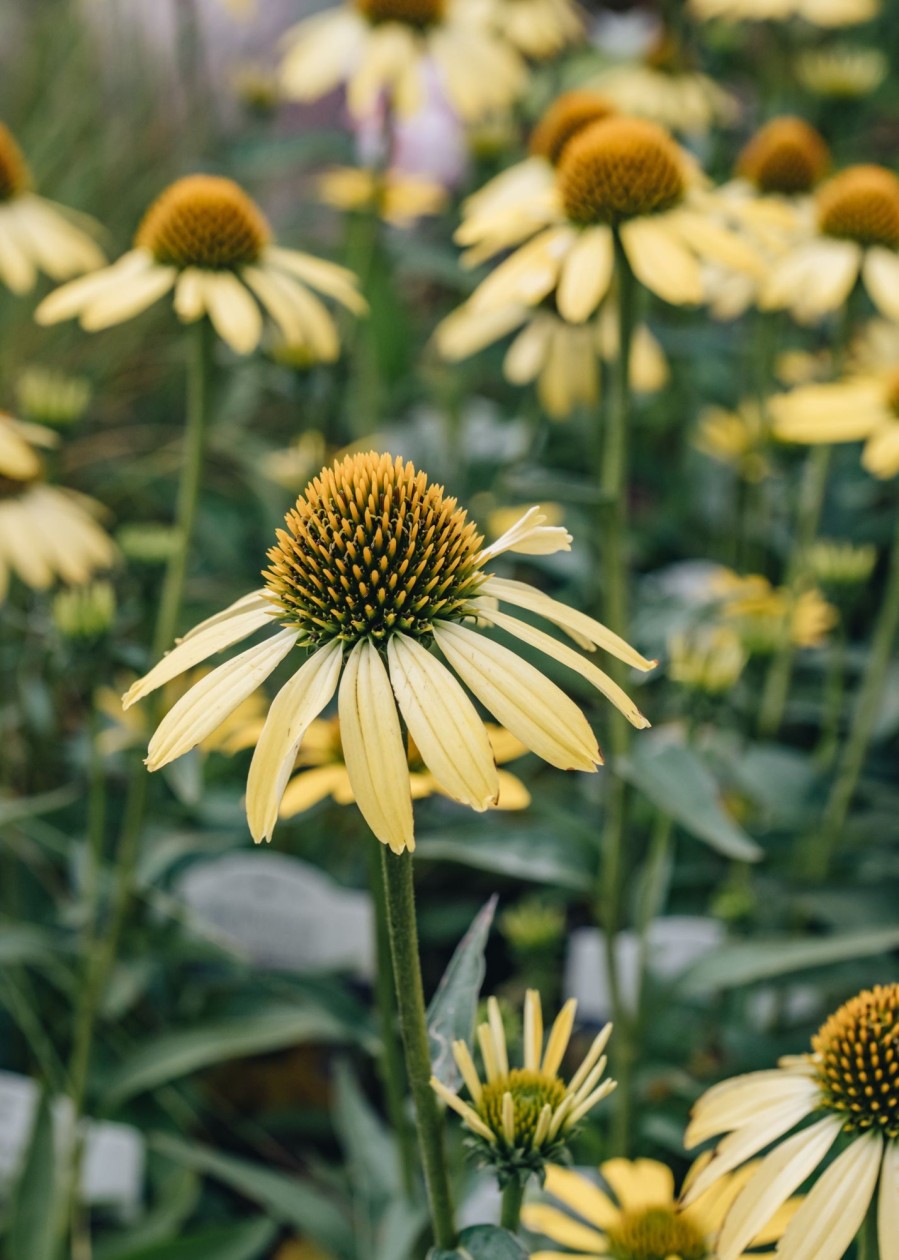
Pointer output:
x,y
510,1213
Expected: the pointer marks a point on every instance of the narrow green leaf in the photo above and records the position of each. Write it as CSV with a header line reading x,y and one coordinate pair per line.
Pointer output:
x,y
242,1240
22,943
367,1144
451,1014
18,810
680,784
537,855
34,1214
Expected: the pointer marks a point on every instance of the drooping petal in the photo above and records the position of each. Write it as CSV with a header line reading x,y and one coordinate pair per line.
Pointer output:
x,y
880,272
530,537
638,1183
373,748
888,1204
832,1213
235,316
586,274
297,704
661,261
443,723
72,298
582,1196
311,786
540,1218
744,1099
128,298
327,277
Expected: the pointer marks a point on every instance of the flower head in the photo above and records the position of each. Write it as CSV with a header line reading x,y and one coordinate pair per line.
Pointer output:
x,y
207,240
847,1089
786,156
620,169
520,1118
376,568
566,116
843,72
665,92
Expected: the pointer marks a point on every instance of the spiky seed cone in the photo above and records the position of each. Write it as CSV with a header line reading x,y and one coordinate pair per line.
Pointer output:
x,y
204,221
861,204
785,156
566,116
858,1060
618,169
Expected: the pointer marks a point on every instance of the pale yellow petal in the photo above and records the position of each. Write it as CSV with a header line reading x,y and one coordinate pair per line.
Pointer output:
x,y
529,536
832,1213
880,273
72,298
661,261
638,1184
586,274
190,295
131,296
311,786
582,1196
540,1218
888,1204
235,316
743,1099
336,282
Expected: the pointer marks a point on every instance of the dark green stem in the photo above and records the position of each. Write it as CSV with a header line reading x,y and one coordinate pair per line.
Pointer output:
x,y
510,1215
867,1247
399,896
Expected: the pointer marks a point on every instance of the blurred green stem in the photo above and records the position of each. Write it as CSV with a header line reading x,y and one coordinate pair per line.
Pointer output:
x,y
822,845
613,489
365,387
399,896
867,1246
834,693
510,1214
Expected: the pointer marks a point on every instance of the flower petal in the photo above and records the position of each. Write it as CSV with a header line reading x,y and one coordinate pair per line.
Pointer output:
x,y
888,1204
742,1100
311,786
582,1196
235,316
540,1218
132,295
530,537
586,274
638,1184
661,261
832,1214
72,298
880,272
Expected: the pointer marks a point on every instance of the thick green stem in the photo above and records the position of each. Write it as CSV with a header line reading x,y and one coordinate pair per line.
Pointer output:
x,y
399,896
510,1214
867,1247
613,488
780,671
821,849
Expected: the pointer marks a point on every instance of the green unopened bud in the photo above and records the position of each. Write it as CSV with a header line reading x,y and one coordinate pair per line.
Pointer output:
x,y
839,565
147,544
709,659
534,926
50,397
84,612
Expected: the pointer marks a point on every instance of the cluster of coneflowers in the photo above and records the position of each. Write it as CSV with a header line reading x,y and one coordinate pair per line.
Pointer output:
x,y
381,592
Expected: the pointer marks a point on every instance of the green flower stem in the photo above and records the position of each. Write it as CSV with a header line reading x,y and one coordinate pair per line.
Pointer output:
x,y
821,847
393,1075
510,1214
399,896
780,671
613,487
834,695
867,1247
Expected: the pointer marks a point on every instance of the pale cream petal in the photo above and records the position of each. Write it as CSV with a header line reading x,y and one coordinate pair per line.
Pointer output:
x,y
661,262
743,1099
586,274
465,331
297,704
832,1213
717,244
468,1114
320,53
880,272
72,298
311,786
813,279
888,1204
315,327
559,1037
56,245
205,706
190,295
526,355
373,748
524,596
131,296
386,56
336,282
235,316
17,271
773,1181
638,1184
582,1196
539,1218
529,274
443,723
567,656
530,537
521,698
237,622
31,565
276,302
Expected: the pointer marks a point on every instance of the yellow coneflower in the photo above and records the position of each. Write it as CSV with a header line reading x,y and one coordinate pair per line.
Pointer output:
x,y
764,614
686,101
858,409
538,28
207,240
323,771
378,47
521,1118
824,13
638,1217
853,235
709,659
506,210
46,532
842,73
736,438
36,234
624,176
375,568
848,1088
395,196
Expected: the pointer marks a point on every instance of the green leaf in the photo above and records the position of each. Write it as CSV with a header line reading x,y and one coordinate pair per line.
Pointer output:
x,y
483,1242
750,961
451,1014
290,1200
36,1202
23,943
536,854
371,1153
175,1054
15,811
242,1240
174,1203
680,784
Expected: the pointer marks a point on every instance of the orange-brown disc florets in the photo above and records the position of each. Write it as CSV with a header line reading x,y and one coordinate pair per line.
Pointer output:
x,y
857,1052
655,1233
371,549
861,204
785,156
569,113
419,13
204,221
618,169
15,176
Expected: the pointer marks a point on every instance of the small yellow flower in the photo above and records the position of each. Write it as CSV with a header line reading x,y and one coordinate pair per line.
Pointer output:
x,y
521,1118
397,197
538,28
207,240
763,614
36,234
378,47
824,13
736,438
710,659
323,771
848,1085
46,532
842,73
857,409
377,567
638,1217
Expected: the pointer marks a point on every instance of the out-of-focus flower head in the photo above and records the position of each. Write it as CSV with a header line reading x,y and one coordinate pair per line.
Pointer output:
x,y
399,199
37,235
838,566
539,29
736,438
844,72
208,241
50,397
84,612
826,13
533,926
764,615
148,543
708,659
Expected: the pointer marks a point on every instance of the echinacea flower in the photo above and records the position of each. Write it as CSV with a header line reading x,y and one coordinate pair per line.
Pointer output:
x,y
708,659
857,409
624,178
538,28
208,241
378,47
824,13
46,532
737,438
322,771
375,568
520,1119
843,1097
765,614
399,198
683,100
36,234
637,1217
853,235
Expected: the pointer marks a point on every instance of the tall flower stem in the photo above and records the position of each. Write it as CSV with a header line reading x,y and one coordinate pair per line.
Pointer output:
x,y
399,897
102,946
613,485
510,1213
821,847
867,1247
